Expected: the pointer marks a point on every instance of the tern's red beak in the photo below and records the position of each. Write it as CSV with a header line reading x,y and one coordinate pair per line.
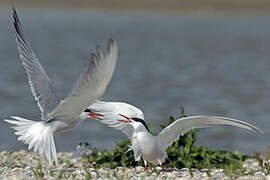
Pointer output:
x,y
124,121
94,115
127,119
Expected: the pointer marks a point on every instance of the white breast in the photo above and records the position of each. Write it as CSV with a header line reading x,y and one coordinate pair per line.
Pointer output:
x,y
149,148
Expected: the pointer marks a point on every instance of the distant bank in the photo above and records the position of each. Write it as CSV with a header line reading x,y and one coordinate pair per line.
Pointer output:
x,y
156,5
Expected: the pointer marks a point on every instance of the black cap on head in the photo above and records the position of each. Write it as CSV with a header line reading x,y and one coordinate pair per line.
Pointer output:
x,y
88,111
141,121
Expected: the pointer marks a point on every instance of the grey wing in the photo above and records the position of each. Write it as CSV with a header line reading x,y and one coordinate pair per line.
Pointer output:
x,y
40,84
111,115
92,83
127,129
171,133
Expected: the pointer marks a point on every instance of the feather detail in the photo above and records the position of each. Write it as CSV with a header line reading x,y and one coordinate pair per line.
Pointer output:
x,y
38,136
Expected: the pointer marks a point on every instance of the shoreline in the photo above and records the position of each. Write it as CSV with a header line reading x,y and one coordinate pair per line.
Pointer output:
x,y
238,6
27,165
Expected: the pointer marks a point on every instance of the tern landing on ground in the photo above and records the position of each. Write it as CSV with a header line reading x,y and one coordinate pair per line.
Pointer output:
x,y
56,115
130,120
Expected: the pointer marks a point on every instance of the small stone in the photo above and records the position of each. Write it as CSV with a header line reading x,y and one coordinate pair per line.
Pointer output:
x,y
259,174
139,168
3,153
19,165
93,173
204,170
171,175
184,169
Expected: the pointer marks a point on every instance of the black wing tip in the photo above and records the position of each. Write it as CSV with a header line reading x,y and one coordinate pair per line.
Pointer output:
x,y
16,22
252,127
14,14
112,39
93,61
13,8
100,52
111,43
99,49
93,56
258,130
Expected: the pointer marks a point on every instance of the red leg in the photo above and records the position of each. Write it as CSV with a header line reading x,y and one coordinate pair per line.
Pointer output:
x,y
162,169
161,166
145,167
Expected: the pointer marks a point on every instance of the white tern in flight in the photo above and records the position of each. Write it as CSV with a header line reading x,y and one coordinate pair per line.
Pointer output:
x,y
56,115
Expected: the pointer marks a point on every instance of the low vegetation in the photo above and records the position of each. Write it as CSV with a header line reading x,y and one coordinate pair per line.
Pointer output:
x,y
182,153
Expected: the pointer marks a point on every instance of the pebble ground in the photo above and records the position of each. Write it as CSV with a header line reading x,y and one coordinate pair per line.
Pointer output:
x,y
27,165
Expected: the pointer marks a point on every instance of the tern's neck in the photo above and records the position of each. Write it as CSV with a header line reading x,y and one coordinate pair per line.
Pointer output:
x,y
143,135
142,129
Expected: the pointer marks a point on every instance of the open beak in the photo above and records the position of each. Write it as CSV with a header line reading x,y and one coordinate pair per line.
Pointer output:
x,y
95,115
127,119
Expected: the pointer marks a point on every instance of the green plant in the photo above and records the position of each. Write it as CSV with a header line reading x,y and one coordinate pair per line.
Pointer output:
x,y
260,160
61,175
66,163
88,176
108,175
182,153
74,176
38,172
116,157
267,167
264,164
52,172
208,172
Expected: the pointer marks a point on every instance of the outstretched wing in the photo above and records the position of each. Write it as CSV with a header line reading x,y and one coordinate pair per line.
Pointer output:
x,y
181,126
40,84
92,83
112,112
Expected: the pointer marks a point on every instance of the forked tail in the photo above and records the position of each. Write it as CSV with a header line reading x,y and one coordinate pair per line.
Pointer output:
x,y
37,135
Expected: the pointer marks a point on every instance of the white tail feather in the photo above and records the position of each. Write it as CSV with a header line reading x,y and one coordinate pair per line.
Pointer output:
x,y
37,135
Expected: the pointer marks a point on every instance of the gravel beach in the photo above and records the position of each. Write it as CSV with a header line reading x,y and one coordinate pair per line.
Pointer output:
x,y
27,165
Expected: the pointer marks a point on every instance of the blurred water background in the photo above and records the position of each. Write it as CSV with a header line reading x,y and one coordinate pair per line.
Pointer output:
x,y
212,64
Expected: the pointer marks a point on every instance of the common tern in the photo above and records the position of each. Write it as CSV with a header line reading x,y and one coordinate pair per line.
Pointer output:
x,y
130,120
56,115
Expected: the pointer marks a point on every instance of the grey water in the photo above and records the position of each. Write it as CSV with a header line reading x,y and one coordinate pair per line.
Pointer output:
x,y
212,64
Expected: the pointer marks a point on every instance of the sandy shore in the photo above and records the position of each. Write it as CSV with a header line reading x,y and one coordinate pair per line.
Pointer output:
x,y
156,5
27,165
